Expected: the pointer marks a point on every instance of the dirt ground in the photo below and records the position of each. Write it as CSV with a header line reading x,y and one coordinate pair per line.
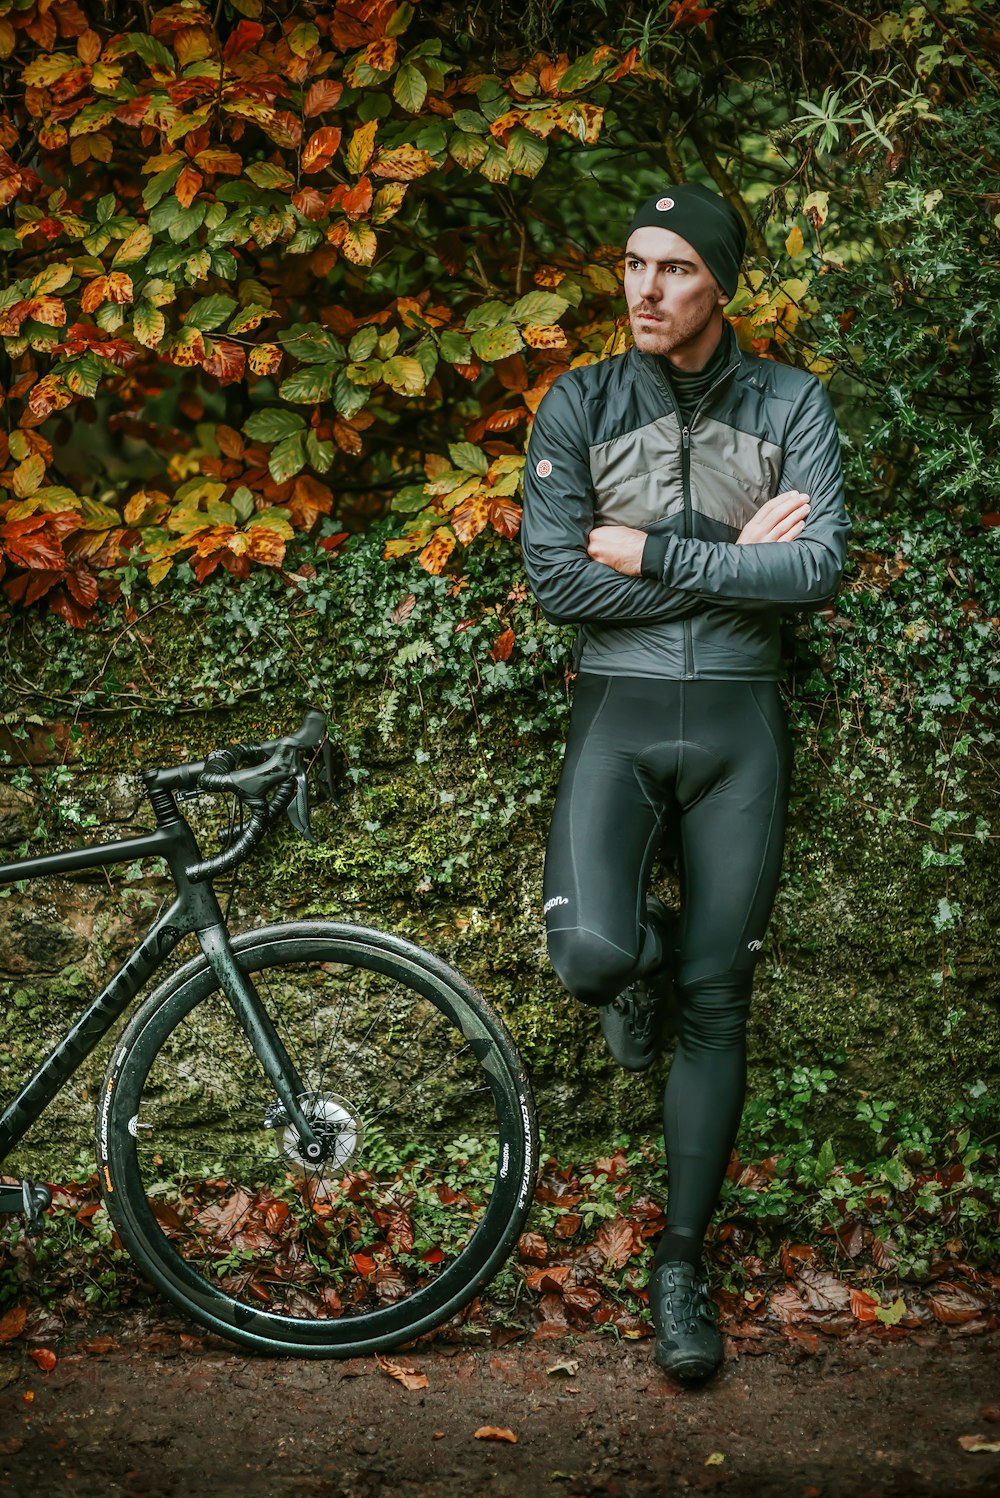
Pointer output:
x,y
140,1406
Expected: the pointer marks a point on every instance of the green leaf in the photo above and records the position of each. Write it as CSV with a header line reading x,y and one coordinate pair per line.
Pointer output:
x,y
149,323
272,423
825,1161
490,315
313,382
320,454
471,121
410,88
467,456
542,307
210,312
362,345
369,372
349,399
411,500
150,50
527,154
288,457
497,343
455,347
267,174
404,375
309,343
468,150
583,72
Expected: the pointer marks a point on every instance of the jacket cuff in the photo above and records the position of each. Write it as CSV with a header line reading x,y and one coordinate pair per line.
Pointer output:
x,y
654,554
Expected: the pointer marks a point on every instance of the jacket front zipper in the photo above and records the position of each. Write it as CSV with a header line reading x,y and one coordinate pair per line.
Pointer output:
x,y
686,485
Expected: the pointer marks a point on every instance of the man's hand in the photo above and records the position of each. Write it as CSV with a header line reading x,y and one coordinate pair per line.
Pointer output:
x,y
617,546
780,519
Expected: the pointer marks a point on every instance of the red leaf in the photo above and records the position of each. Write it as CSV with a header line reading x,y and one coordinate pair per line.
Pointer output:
x,y
505,517
533,1248
863,1305
44,1357
953,1304
246,35
616,1242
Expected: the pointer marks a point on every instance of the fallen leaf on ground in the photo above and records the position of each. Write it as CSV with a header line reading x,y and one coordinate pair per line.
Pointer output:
x,y
43,1357
716,1459
567,1367
494,1433
99,1344
408,1377
12,1324
978,1443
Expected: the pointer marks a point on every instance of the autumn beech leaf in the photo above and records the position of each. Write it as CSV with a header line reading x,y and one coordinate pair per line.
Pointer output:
x,y
403,163
544,335
51,393
320,148
358,199
470,517
188,185
322,95
406,376
186,347
265,358
360,147
136,246
359,245
214,160
148,325
494,1433
410,1378
225,360
28,475
437,551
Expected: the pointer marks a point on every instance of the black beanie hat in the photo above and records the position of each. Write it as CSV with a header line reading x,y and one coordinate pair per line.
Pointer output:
x,y
708,223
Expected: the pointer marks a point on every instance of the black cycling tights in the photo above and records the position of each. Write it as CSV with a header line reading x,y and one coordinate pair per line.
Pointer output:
x,y
711,758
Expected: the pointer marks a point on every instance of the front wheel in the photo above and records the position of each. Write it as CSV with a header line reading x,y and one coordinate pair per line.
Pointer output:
x,y
418,1095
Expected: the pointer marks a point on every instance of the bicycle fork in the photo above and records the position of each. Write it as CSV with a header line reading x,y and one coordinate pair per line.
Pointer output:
x,y
262,1034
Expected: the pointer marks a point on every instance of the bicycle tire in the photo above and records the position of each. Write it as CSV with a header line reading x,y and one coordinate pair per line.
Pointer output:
x,y
392,1235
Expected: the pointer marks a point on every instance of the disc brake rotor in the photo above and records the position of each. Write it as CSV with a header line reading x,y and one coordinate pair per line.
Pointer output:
x,y
336,1126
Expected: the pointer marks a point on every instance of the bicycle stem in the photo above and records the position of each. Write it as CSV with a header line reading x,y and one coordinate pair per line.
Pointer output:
x,y
261,1032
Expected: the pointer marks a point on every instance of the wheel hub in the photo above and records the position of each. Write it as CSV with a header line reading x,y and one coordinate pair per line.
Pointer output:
x,y
337,1126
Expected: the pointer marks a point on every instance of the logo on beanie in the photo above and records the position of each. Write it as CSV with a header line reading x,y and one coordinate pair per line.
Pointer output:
x,y
543,468
664,203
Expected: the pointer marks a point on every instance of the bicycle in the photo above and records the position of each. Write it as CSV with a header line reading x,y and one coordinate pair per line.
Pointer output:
x,y
316,1138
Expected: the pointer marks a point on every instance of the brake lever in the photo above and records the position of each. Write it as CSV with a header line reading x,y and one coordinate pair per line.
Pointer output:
x,y
298,807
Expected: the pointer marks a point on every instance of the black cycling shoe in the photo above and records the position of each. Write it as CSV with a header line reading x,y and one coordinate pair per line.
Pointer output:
x,y
688,1340
633,1022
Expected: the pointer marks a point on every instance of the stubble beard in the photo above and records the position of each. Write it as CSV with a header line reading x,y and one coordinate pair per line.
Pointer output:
x,y
673,332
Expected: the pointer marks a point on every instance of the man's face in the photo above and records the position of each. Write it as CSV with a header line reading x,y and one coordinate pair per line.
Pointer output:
x,y
671,293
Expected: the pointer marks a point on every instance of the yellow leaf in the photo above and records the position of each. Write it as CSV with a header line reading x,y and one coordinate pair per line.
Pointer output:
x,y
359,244
437,551
815,208
715,1459
406,376
360,148
794,242
547,335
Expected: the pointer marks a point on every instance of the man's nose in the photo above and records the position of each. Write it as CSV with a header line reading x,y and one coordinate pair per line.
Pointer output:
x,y
649,286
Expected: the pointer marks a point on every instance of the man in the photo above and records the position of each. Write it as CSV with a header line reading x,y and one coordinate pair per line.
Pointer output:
x,y
678,499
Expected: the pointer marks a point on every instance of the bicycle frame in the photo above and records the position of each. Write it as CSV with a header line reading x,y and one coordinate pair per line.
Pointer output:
x,y
195,910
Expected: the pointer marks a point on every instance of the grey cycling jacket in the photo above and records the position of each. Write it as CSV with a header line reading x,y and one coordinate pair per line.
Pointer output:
x,y
608,448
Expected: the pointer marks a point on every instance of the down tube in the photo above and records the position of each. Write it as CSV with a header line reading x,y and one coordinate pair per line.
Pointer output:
x,y
61,1062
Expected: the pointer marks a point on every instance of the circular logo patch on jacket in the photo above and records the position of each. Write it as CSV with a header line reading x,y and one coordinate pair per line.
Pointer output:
x,y
543,468
665,203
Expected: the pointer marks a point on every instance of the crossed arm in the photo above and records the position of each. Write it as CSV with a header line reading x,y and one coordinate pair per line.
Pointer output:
x,y
780,519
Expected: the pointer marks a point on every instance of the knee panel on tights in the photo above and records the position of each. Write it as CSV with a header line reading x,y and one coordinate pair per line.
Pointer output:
x,y
592,968
713,1012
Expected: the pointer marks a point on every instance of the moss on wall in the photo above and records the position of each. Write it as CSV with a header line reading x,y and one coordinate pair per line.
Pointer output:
x,y
449,766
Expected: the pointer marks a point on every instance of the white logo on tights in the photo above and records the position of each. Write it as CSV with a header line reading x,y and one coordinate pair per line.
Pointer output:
x,y
556,900
754,946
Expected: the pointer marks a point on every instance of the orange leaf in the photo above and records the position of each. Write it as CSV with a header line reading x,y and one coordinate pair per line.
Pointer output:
x,y
408,1377
437,551
863,1305
505,517
12,1324
469,518
320,148
324,94
246,35
44,1357
547,335
500,651
494,1433
358,199
188,185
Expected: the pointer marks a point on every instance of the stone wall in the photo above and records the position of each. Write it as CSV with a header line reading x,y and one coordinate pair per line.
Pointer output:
x,y
848,966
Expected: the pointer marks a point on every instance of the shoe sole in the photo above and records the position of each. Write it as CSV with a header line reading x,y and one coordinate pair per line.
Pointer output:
x,y
689,1372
